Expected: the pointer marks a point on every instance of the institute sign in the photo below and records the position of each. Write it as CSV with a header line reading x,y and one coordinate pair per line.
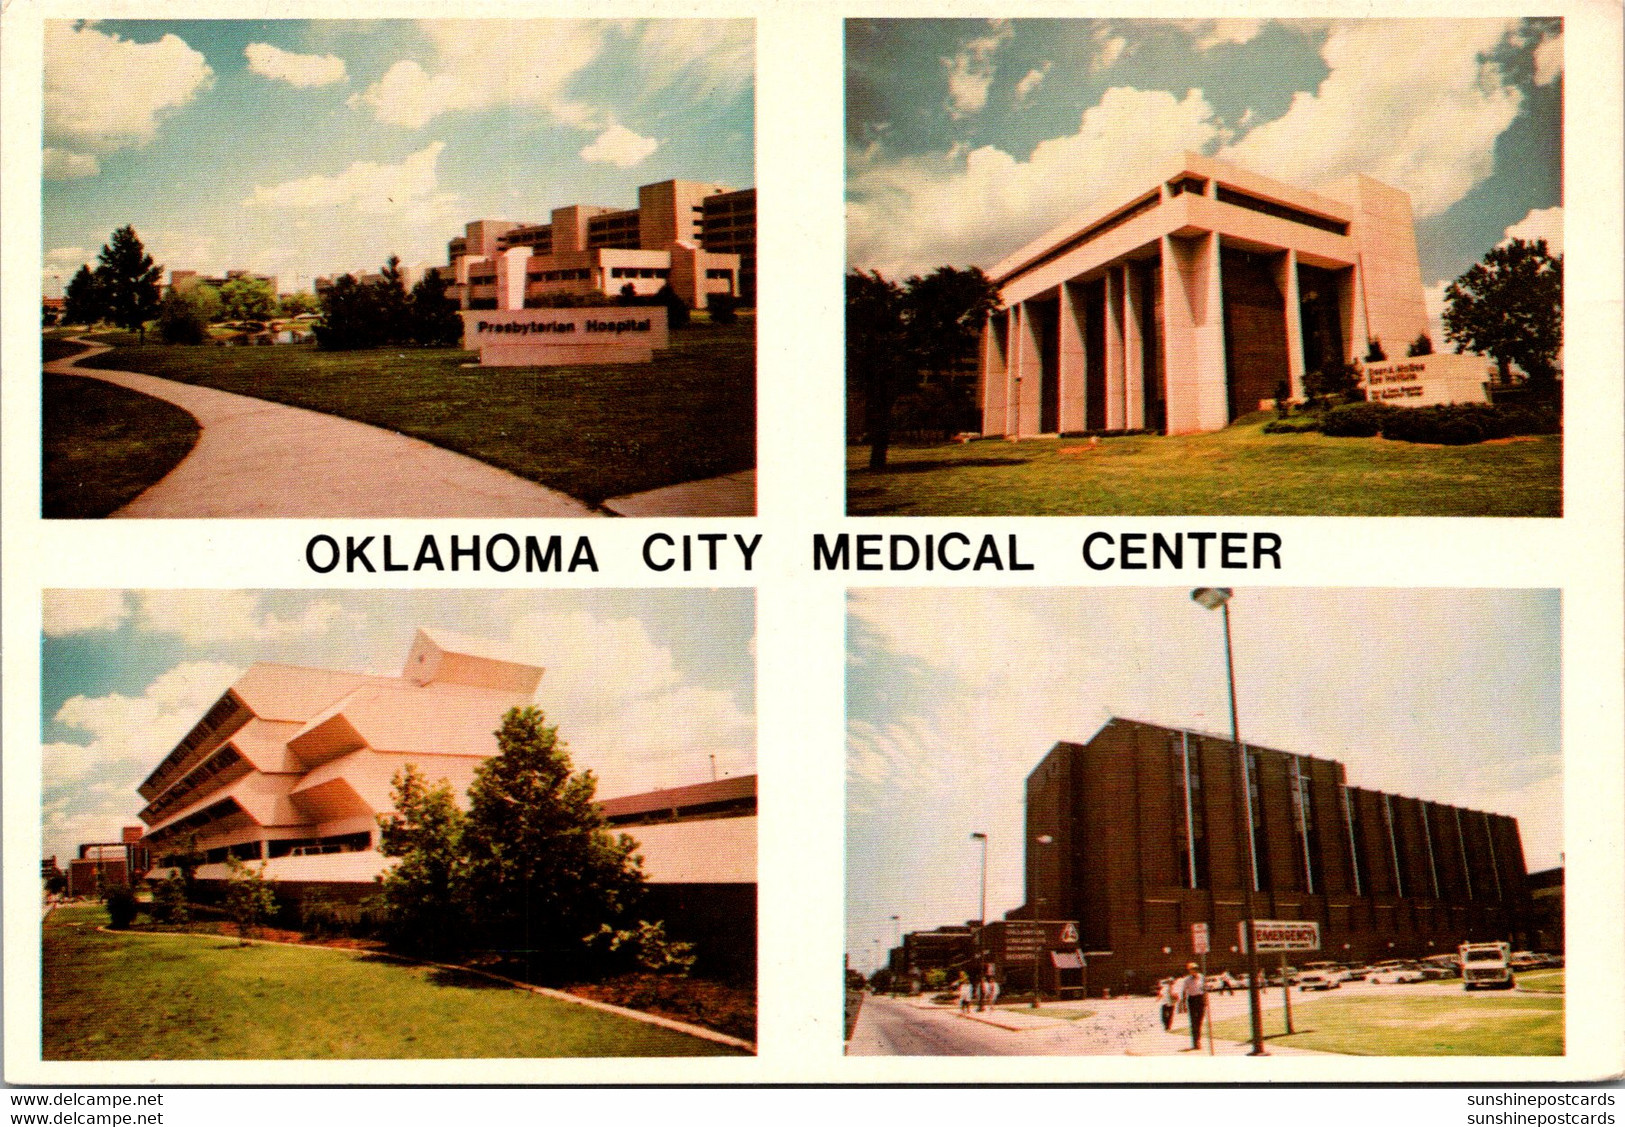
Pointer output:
x,y
1426,381
612,334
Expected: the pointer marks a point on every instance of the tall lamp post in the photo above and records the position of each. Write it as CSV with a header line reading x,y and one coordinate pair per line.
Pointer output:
x,y
1218,598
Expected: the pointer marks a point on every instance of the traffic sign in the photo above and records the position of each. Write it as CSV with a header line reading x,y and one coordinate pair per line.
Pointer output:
x,y
1199,943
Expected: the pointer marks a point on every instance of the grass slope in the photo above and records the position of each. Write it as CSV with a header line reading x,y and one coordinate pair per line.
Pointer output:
x,y
152,997
592,432
1478,1025
1238,471
104,445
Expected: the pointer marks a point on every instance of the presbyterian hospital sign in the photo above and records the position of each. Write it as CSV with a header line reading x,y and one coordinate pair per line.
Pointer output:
x,y
615,334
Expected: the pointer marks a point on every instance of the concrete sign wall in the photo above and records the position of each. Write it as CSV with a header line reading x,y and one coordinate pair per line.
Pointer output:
x,y
1423,381
610,334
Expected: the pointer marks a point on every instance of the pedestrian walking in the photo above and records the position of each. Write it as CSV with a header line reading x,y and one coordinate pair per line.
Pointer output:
x,y
990,989
1166,1000
964,994
1193,994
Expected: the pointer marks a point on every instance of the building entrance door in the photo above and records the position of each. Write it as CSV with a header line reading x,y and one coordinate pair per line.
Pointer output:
x,y
1254,330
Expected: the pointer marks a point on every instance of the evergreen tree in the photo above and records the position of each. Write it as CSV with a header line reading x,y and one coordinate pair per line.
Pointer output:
x,y
127,279
82,299
1510,306
545,874
434,316
349,316
394,314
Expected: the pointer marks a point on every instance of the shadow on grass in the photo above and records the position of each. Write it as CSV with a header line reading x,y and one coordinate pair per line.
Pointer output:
x,y
950,464
466,980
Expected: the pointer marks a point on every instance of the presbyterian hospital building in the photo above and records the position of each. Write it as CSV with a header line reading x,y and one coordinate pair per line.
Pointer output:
x,y
293,765
1184,305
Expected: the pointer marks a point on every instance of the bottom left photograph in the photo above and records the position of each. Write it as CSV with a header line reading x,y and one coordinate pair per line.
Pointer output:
x,y
409,824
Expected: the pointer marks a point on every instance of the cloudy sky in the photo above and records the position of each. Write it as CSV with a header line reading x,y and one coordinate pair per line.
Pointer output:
x,y
1449,695
644,685
968,138
309,147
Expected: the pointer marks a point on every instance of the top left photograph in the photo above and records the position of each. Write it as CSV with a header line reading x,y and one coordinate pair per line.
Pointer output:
x,y
391,268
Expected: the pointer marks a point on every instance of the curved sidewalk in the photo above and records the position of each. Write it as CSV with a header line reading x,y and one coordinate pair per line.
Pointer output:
x,y
255,458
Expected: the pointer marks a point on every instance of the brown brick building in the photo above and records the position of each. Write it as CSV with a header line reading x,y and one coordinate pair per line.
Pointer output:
x,y
1135,835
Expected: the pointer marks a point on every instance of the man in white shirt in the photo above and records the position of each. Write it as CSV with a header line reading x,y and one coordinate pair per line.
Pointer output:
x,y
1193,993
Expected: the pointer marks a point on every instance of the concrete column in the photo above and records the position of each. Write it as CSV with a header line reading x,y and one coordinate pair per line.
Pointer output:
x,y
1012,359
995,374
1116,408
1133,351
510,277
1029,378
1351,302
1193,334
1073,374
1287,275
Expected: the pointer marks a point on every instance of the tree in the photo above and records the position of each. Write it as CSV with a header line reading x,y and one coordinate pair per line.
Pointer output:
x,y
1510,306
248,299
349,316
293,304
127,279
945,312
545,874
390,294
180,320
1373,351
82,300
1421,346
249,900
877,357
435,320
425,908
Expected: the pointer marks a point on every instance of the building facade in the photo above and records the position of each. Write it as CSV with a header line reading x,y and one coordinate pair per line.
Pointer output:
x,y
1138,834
698,238
1186,305
292,767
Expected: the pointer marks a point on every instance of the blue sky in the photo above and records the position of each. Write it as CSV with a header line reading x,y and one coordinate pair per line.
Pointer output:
x,y
645,685
968,138
300,147
1449,695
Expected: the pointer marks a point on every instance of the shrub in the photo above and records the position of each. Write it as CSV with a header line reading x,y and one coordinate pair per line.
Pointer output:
x,y
676,307
169,904
1356,420
722,308
180,320
1421,346
1283,392
122,906
1304,424
249,898
1374,353
1333,379
643,947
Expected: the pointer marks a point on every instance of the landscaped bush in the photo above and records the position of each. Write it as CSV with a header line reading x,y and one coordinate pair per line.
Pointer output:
x,y
1356,420
1461,424
122,906
169,904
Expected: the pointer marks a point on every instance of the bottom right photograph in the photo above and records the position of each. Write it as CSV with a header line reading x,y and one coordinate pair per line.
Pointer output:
x,y
1251,821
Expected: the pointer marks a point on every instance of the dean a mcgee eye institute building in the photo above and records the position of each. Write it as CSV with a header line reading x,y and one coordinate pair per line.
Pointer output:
x,y
293,766
1181,307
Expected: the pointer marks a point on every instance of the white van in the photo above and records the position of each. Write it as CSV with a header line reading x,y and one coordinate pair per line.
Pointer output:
x,y
1486,964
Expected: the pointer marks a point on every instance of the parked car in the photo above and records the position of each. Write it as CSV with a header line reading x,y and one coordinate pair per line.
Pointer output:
x,y
1389,973
1319,980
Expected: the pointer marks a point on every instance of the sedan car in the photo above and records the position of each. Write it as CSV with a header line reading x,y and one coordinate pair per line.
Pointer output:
x,y
1319,980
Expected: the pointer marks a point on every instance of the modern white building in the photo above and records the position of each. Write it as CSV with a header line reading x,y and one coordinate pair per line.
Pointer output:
x,y
1186,304
292,766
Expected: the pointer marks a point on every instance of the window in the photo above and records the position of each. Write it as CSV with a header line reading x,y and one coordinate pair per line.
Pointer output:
x,y
1280,211
1190,828
1393,844
1356,839
1303,816
1255,817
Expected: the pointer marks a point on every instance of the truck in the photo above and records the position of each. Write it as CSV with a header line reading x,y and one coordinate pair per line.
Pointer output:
x,y
1486,964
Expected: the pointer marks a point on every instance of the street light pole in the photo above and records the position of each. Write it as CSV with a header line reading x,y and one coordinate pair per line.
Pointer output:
x,y
1218,598
981,918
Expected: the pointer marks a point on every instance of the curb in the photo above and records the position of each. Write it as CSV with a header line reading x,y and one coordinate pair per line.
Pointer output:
x,y
672,1024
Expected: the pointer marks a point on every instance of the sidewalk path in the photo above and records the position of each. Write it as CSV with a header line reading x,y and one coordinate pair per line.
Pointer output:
x,y
731,495
255,458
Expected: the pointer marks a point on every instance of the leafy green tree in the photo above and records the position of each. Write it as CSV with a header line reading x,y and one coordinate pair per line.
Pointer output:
x,y
293,304
248,299
249,899
424,893
1510,306
877,357
181,319
544,871
127,279
82,300
169,904
945,312
435,321
122,906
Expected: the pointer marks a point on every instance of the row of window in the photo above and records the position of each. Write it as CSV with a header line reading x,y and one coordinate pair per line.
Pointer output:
x,y
639,272
579,275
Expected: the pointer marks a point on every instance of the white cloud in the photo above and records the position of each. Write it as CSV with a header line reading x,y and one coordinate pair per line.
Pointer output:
x,y
1549,60
1029,82
104,92
205,617
89,784
915,214
66,254
79,611
365,186
970,71
1228,32
480,64
294,69
1540,223
1419,112
713,57
619,146
1109,47
60,164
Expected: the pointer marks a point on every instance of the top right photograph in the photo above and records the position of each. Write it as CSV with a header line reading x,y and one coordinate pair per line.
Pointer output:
x,y
1204,267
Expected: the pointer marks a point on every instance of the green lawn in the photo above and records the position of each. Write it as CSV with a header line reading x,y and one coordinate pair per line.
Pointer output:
x,y
1238,471
592,432
1472,1025
152,997
103,445
1541,981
